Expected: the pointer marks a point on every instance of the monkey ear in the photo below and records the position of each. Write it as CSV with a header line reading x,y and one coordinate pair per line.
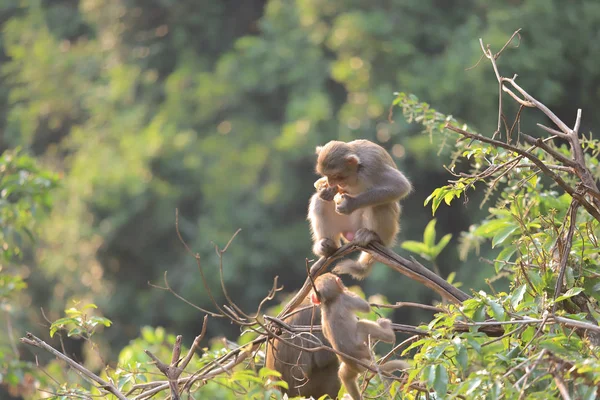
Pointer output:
x,y
352,159
318,149
314,299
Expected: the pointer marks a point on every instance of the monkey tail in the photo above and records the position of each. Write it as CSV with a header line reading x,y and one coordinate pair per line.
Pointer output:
x,y
358,269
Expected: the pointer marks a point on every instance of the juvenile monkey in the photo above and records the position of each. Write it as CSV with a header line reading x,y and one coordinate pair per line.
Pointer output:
x,y
307,374
357,199
347,333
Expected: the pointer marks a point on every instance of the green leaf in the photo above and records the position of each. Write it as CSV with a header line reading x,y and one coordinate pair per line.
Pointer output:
x,y
440,383
503,234
441,245
101,320
75,332
265,372
429,234
123,381
474,344
462,356
429,374
496,310
416,247
517,296
569,293
472,385
491,227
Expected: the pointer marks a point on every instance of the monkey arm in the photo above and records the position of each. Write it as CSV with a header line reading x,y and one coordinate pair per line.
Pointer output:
x,y
353,302
392,186
380,330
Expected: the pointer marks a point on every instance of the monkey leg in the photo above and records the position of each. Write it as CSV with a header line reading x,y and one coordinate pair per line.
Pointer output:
x,y
379,223
348,377
326,225
383,220
358,269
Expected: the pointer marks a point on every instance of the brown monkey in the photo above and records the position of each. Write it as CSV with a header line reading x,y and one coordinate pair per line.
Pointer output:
x,y
348,334
357,199
307,374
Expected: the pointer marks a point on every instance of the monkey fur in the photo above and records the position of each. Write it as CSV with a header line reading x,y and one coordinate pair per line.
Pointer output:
x,y
348,334
357,199
307,374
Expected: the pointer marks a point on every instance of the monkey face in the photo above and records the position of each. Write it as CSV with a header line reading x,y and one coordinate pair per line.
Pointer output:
x,y
338,179
329,286
338,163
341,174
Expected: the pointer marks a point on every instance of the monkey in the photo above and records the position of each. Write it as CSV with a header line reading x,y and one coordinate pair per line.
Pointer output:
x,y
357,199
348,334
306,373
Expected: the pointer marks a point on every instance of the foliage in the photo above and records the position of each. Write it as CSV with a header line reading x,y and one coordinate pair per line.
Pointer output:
x,y
536,357
134,370
24,197
24,200
428,249
79,323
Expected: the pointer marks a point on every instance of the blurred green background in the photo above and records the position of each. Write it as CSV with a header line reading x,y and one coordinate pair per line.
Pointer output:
x,y
214,107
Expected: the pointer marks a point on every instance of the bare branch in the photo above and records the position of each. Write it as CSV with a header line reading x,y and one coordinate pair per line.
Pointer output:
x,y
557,121
32,340
400,304
524,103
566,250
577,122
590,208
553,131
555,154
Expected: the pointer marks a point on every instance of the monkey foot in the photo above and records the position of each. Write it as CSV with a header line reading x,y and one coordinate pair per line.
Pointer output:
x,y
352,268
365,236
325,247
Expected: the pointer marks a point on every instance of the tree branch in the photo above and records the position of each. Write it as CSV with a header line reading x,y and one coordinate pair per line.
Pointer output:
x,y
32,340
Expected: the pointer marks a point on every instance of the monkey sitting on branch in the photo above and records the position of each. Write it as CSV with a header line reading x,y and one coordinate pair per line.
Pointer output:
x,y
357,200
348,334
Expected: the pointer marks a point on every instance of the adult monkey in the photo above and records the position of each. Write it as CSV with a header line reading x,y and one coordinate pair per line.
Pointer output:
x,y
357,200
348,334
306,373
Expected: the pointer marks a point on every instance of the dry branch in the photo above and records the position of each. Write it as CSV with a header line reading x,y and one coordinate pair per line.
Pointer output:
x,y
410,268
32,340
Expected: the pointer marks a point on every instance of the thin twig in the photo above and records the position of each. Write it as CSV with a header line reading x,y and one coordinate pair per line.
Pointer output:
x,y
568,242
540,164
32,340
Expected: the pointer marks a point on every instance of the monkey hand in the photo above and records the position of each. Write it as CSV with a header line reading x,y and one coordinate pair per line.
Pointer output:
x,y
325,191
328,193
344,204
385,323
